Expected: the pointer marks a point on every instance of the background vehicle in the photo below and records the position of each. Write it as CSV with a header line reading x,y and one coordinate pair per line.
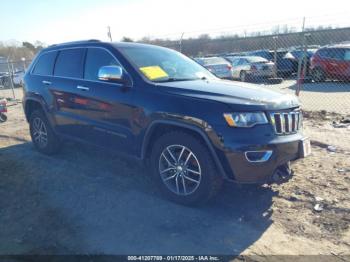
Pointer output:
x,y
18,78
3,110
284,66
217,65
250,67
159,106
295,55
331,62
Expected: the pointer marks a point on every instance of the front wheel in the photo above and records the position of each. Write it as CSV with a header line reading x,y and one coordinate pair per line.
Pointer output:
x,y
243,77
183,169
43,137
318,75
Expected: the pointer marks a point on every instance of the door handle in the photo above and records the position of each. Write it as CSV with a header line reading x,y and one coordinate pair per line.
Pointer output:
x,y
46,82
84,88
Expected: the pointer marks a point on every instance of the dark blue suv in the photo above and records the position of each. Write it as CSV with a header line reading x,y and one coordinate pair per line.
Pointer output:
x,y
190,128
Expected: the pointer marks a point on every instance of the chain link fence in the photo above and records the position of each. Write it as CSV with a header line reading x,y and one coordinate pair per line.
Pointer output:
x,y
313,64
11,77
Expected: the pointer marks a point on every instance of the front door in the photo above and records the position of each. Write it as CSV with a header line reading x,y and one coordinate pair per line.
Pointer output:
x,y
105,107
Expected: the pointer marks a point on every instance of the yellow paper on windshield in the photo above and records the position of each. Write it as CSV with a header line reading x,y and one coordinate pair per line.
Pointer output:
x,y
153,72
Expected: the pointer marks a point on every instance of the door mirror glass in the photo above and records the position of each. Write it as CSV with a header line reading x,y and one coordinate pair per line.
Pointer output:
x,y
110,73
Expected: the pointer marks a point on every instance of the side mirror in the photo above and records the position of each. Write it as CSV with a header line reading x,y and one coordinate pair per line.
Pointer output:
x,y
110,73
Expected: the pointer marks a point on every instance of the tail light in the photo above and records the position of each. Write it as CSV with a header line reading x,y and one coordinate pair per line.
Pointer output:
x,y
229,67
253,68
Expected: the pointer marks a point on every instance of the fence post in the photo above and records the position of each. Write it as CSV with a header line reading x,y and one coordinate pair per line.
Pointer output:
x,y
275,57
300,61
11,79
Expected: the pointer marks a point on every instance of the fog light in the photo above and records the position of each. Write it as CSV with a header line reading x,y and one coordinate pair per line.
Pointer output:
x,y
258,156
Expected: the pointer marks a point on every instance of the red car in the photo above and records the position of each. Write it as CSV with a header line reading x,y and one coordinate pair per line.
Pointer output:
x,y
332,62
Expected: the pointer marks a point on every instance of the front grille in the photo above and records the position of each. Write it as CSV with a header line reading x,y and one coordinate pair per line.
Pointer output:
x,y
286,123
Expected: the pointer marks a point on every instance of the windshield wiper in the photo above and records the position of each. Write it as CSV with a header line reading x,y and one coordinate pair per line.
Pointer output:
x,y
173,79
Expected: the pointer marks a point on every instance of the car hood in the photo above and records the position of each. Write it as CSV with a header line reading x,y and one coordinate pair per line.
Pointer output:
x,y
236,94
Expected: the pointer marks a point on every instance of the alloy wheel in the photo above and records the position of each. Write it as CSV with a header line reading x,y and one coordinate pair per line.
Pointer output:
x,y
180,170
39,132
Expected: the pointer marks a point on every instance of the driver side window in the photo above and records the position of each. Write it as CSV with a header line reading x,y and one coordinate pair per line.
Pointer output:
x,y
95,59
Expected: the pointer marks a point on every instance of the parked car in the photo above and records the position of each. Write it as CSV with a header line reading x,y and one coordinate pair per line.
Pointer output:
x,y
298,54
284,66
5,80
3,110
18,78
250,67
217,65
158,106
331,62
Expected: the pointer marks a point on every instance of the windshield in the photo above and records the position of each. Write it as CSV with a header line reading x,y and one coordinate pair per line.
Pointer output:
x,y
162,64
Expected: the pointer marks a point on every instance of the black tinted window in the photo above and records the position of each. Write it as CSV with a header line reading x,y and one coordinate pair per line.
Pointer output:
x,y
44,66
337,53
95,59
69,63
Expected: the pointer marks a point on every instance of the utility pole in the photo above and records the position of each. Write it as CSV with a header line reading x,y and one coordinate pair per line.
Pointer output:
x,y
180,43
109,34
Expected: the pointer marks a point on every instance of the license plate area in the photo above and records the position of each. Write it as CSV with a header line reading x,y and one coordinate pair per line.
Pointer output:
x,y
304,148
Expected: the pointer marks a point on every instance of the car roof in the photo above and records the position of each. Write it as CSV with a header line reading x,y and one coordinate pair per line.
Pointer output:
x,y
337,46
83,43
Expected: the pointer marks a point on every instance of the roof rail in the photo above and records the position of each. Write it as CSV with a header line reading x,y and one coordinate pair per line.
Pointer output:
x,y
77,42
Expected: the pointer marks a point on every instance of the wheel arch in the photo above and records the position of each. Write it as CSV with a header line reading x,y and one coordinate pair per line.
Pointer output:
x,y
35,103
160,127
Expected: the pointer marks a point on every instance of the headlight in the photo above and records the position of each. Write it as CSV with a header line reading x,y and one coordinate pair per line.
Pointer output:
x,y
246,119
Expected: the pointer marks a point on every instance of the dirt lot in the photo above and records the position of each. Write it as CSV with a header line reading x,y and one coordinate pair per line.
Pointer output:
x,y
88,201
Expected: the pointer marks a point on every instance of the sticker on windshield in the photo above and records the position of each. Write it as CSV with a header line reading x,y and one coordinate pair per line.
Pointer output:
x,y
153,72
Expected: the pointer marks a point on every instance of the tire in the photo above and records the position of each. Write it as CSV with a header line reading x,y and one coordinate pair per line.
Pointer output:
x,y
44,138
318,75
243,76
3,118
195,173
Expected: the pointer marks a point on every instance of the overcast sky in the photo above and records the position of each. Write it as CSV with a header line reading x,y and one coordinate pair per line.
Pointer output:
x,y
67,20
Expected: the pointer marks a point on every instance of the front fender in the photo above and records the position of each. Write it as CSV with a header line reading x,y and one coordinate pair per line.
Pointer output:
x,y
200,127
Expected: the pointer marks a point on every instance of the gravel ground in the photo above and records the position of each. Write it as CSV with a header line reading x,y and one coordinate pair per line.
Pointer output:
x,y
88,201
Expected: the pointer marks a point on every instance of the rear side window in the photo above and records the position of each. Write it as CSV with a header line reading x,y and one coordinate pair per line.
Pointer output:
x,y
70,62
95,59
45,63
336,53
347,55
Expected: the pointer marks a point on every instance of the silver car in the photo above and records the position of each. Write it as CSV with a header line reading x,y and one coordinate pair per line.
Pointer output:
x,y
247,68
217,65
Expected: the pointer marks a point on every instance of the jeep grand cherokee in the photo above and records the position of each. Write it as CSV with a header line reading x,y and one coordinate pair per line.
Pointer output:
x,y
192,129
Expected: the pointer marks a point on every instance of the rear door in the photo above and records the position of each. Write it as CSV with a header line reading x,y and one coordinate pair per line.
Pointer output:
x,y
68,76
341,63
335,62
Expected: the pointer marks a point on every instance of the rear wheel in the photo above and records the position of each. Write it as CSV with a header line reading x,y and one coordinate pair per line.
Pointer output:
x,y
183,169
318,75
43,137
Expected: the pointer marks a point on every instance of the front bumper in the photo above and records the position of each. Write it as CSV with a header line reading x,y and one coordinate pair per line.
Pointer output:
x,y
245,171
238,165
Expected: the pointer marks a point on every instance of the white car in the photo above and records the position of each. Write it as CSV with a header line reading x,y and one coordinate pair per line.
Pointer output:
x,y
18,78
247,68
